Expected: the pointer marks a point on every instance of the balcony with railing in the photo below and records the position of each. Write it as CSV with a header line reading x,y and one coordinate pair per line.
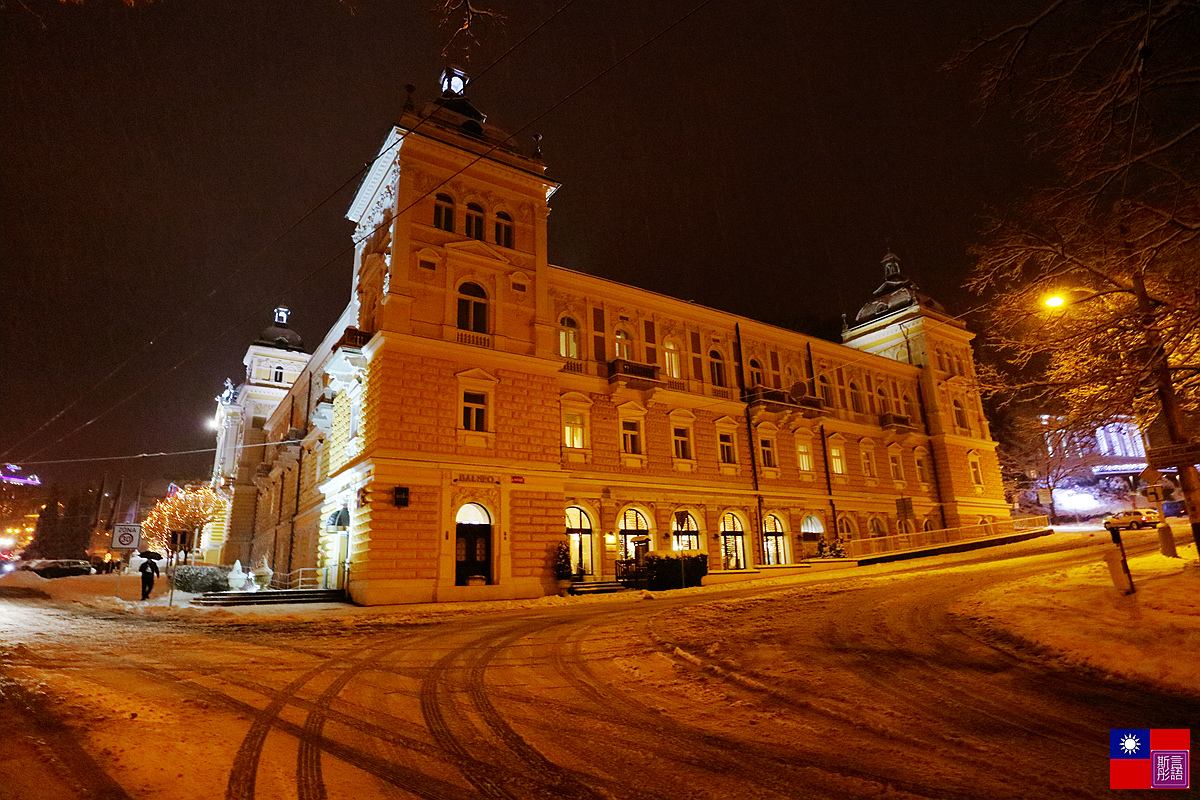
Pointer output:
x,y
633,374
474,339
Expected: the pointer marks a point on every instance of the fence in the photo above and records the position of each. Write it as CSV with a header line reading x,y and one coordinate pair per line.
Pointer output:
x,y
856,548
309,577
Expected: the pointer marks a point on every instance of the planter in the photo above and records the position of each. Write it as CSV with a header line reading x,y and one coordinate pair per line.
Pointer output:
x,y
564,587
237,579
262,575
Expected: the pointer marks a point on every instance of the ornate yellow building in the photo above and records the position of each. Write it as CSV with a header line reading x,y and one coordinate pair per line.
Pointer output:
x,y
475,405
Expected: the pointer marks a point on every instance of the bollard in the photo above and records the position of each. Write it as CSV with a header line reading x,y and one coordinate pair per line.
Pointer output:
x,y
1116,568
1166,541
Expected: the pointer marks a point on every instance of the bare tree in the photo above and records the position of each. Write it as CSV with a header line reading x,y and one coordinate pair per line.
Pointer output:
x,y
1111,94
1048,453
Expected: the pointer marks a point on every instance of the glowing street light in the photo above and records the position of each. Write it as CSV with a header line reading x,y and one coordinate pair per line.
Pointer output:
x,y
1055,301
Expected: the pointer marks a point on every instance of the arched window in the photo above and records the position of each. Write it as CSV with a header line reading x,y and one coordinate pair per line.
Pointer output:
x,y
960,415
633,525
474,224
733,542
885,406
811,524
685,533
568,338
929,525
877,527
826,390
278,378
774,540
671,359
845,528
716,368
622,345
443,212
579,540
473,514
756,374
504,229
472,308
856,399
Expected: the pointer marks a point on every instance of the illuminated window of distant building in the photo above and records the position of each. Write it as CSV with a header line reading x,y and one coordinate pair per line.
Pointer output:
x,y
472,308
622,345
804,459
443,212
960,415
474,221
474,411
774,540
837,459
685,533
568,338
733,542
976,468
716,368
756,374
573,427
671,359
504,229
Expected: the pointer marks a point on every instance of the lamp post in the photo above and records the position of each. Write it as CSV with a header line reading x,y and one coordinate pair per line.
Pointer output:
x,y
1171,413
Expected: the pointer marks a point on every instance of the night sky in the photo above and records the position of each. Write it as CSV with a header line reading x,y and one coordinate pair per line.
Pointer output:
x,y
760,158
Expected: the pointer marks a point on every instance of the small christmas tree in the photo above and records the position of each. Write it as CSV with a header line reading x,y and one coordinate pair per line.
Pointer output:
x,y
562,562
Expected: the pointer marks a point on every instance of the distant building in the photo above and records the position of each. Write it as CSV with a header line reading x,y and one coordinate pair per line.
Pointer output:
x,y
475,405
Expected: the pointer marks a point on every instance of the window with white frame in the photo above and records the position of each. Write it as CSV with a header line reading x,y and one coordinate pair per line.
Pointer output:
x,y
716,368
568,337
681,438
867,452
573,429
443,212
976,468
804,455
278,377
837,458
474,221
774,540
766,447
685,533
896,463
474,411
733,542
671,359
631,437
631,527
845,528
472,308
728,450
623,345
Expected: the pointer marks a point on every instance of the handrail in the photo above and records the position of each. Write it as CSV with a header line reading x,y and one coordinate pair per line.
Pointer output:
x,y
916,540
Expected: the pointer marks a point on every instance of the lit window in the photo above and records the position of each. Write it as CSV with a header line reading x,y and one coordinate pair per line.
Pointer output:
x,y
474,223
568,338
976,469
685,534
443,212
504,229
671,360
631,437
767,448
837,459
472,308
756,375
623,347
716,368
897,466
573,429
774,540
728,453
733,543
682,438
633,526
804,458
474,411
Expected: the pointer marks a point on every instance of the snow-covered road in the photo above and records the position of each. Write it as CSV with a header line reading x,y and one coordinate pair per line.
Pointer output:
x,y
836,686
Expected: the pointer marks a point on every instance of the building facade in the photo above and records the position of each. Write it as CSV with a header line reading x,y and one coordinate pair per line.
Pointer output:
x,y
475,404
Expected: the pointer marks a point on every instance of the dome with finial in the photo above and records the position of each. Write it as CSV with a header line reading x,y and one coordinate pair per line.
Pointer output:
x,y
279,335
896,292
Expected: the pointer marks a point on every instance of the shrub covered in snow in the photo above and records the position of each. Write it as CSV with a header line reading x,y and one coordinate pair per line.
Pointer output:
x,y
675,569
197,579
831,548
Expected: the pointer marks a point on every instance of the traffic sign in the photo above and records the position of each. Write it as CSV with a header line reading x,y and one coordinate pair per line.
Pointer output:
x,y
1153,493
125,536
1176,455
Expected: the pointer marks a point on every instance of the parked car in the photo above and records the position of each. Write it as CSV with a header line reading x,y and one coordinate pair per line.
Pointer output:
x,y
1138,518
61,567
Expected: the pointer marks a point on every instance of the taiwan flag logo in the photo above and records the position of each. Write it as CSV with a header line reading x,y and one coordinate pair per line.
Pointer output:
x,y
1149,758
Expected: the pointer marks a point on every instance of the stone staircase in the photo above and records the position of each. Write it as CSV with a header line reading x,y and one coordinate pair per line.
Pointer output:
x,y
596,587
270,597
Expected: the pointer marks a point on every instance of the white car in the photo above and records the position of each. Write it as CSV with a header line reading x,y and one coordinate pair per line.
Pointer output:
x,y
1138,518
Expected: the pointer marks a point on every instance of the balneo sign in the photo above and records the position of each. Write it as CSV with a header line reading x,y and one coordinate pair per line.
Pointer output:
x,y
1177,455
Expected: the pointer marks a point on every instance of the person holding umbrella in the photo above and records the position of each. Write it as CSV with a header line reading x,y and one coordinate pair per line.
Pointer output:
x,y
149,570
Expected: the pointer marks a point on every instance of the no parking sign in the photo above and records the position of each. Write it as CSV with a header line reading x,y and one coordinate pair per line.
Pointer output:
x,y
125,536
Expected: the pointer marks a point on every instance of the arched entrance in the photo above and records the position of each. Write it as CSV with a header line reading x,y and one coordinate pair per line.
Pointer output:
x,y
774,540
579,537
472,545
685,533
733,542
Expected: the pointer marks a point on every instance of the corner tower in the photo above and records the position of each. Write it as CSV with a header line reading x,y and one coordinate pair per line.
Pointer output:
x,y
902,323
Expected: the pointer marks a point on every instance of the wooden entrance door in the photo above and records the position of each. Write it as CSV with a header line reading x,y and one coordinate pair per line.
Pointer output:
x,y
472,553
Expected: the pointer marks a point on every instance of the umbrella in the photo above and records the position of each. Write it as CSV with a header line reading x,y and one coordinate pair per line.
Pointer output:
x,y
150,554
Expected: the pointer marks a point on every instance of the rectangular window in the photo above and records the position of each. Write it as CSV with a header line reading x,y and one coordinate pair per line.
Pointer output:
x,y
976,472
573,429
767,448
922,470
683,442
671,361
837,459
474,411
897,467
804,456
868,463
725,441
426,264
631,437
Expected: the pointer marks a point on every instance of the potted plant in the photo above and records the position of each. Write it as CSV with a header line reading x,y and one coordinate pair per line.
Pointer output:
x,y
562,567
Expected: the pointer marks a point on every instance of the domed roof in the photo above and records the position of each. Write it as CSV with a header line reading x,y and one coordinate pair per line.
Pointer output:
x,y
895,293
279,335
